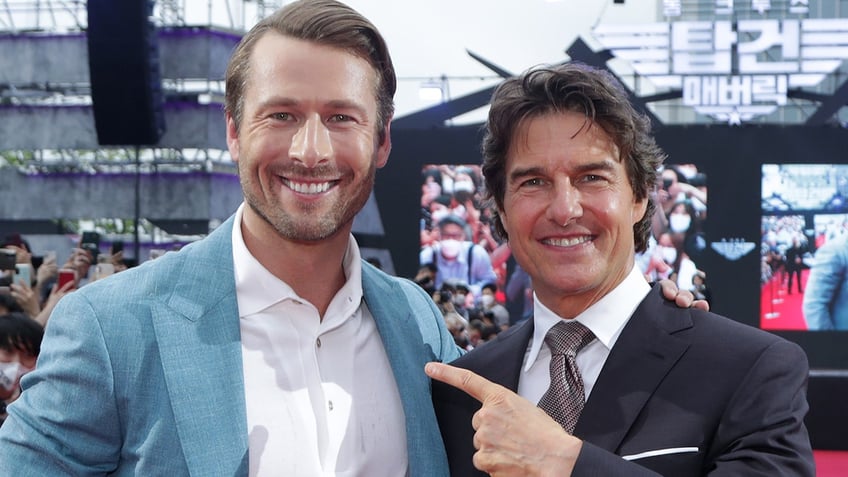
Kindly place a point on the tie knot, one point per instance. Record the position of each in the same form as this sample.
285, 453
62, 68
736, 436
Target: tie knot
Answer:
568, 337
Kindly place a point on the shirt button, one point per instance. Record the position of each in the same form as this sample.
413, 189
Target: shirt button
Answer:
330, 405
318, 342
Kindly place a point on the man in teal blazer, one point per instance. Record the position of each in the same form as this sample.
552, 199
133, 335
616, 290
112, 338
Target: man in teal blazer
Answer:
148, 380
146, 372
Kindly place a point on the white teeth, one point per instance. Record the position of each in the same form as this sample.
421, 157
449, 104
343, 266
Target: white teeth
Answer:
567, 242
308, 188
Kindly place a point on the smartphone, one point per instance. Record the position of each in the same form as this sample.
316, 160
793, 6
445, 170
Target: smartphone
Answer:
91, 241
66, 275
7, 259
23, 274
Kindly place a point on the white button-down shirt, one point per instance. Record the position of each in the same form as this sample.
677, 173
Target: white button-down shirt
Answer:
321, 396
606, 319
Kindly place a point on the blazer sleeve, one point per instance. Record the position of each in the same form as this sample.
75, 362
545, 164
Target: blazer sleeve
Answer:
431, 322
66, 421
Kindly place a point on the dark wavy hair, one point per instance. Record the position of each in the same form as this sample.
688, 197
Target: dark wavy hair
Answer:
578, 88
20, 332
326, 22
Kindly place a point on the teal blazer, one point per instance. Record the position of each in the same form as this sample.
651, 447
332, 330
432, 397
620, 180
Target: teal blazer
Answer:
141, 373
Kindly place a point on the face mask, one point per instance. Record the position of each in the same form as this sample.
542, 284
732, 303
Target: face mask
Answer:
669, 254
679, 222
10, 373
450, 248
487, 300
459, 299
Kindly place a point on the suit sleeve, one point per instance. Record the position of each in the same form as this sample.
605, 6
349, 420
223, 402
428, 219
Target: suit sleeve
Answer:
761, 433
66, 421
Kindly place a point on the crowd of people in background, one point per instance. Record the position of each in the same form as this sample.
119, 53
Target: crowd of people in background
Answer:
465, 267
31, 285
677, 242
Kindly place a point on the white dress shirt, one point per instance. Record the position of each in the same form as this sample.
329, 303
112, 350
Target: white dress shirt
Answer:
606, 319
321, 396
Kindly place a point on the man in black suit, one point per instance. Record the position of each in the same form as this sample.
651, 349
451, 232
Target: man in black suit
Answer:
571, 166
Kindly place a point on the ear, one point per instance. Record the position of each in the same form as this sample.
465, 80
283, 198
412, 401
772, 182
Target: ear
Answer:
504, 220
639, 209
232, 138
385, 148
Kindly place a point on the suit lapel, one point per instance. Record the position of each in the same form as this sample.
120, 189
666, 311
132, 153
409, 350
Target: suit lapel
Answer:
403, 342
504, 356
197, 329
648, 347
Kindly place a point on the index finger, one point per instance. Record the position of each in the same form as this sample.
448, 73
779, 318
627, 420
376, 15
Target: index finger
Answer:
471, 383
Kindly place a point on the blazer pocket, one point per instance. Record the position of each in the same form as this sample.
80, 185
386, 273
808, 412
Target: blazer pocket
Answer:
661, 452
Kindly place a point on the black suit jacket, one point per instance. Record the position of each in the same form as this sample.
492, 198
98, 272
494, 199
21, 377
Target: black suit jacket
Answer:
676, 379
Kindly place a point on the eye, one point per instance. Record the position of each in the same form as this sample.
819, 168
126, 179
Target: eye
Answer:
338, 118
593, 179
282, 116
533, 182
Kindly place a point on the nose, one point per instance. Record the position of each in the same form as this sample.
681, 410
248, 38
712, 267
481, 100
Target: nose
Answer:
565, 203
311, 144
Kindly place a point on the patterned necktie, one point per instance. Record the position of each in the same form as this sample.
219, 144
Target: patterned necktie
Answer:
565, 397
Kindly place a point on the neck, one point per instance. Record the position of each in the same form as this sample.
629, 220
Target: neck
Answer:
314, 270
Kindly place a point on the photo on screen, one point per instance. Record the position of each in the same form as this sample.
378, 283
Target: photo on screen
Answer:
464, 265
678, 242
804, 221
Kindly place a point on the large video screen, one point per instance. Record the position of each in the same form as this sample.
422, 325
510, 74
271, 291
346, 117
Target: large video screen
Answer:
803, 251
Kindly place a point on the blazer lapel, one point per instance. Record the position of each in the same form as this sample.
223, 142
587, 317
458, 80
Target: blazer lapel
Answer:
197, 330
403, 342
644, 353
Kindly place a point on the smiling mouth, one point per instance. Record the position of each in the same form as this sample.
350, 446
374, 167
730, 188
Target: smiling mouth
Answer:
309, 187
568, 242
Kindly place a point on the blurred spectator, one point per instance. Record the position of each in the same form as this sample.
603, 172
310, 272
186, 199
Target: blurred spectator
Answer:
826, 296
456, 324
489, 304
426, 278
458, 258
794, 260
20, 343
7, 303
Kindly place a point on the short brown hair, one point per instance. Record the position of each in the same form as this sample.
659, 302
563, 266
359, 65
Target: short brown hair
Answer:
326, 22
578, 88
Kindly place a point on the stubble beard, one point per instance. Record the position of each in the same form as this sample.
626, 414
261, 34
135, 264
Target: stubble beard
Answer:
307, 225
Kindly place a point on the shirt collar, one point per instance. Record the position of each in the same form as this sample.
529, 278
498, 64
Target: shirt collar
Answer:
606, 318
257, 288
